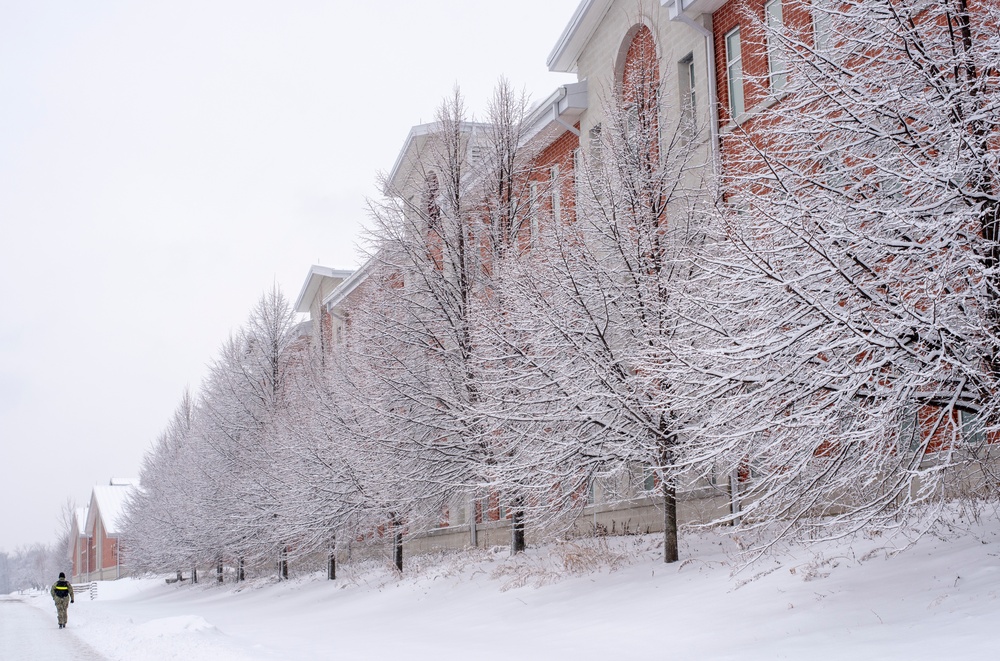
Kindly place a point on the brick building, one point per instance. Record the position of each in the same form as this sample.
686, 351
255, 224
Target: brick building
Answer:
101, 556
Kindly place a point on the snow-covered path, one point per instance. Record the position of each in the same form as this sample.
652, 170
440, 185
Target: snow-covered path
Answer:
25, 633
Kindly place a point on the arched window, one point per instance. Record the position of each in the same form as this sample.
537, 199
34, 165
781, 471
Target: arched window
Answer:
431, 206
640, 74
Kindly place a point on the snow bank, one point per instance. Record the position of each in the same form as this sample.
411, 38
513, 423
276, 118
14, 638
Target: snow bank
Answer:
597, 599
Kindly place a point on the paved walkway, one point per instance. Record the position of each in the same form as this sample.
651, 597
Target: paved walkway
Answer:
26, 634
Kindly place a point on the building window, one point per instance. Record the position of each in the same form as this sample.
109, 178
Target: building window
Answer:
533, 202
577, 172
648, 479
777, 72
972, 430
556, 193
822, 27
734, 73
432, 207
689, 104
909, 428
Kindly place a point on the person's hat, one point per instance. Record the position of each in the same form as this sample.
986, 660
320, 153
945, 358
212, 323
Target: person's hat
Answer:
62, 575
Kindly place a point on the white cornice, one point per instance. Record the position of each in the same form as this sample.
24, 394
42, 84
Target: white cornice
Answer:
692, 8
560, 110
312, 285
410, 153
586, 18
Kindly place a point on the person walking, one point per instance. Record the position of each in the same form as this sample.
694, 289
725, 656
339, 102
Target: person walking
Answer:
62, 594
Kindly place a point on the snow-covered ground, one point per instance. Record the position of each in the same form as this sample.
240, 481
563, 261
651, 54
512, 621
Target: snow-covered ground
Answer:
599, 599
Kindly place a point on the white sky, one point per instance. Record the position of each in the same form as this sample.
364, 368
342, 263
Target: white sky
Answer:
163, 163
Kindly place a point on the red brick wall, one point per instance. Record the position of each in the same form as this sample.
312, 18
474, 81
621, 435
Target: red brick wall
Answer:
558, 152
748, 15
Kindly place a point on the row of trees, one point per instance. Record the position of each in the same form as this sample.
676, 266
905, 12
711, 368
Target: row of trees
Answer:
35, 566
32, 567
814, 328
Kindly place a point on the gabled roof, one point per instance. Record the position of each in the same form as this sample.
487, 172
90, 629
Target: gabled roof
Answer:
588, 17
80, 520
313, 282
108, 502
411, 153
78, 529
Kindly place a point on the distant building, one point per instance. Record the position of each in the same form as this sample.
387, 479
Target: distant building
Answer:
78, 543
97, 553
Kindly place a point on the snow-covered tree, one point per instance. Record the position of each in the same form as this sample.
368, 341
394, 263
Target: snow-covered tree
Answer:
598, 300
218, 483
438, 237
855, 372
164, 525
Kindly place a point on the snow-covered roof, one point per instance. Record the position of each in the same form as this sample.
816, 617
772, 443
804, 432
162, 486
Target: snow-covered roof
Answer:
108, 502
124, 481
80, 514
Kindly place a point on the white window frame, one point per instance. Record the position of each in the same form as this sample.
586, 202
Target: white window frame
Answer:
909, 428
973, 433
822, 24
556, 193
734, 74
777, 70
689, 102
533, 202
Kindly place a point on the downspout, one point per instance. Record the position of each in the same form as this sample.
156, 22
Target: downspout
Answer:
713, 94
713, 89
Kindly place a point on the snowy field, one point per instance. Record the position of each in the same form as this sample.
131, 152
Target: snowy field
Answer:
599, 599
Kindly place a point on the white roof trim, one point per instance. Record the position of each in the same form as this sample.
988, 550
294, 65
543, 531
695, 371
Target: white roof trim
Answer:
581, 28
108, 501
406, 154
312, 284
692, 8
567, 104
411, 137
349, 284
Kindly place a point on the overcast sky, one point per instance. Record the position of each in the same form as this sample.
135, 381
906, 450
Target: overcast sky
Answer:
163, 163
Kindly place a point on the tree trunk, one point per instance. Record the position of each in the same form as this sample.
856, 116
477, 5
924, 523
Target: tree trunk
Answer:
331, 568
218, 571
670, 553
240, 575
397, 544
473, 532
517, 528
194, 574
734, 497
283, 565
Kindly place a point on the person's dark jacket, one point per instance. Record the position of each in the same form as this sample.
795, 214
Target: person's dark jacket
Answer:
62, 589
